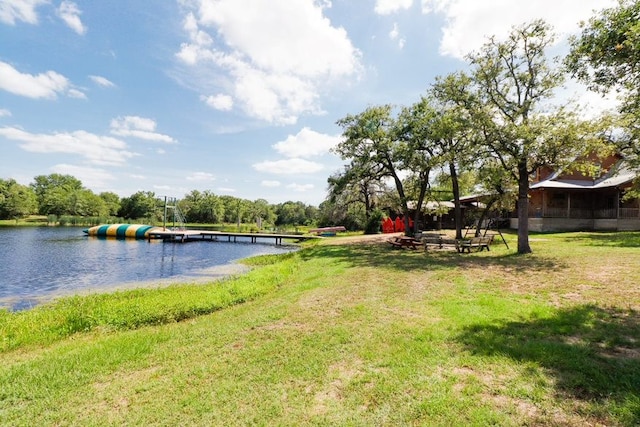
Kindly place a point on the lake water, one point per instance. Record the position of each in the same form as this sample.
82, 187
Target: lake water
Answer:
40, 263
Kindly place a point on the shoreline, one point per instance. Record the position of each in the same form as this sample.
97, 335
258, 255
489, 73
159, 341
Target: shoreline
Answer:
199, 277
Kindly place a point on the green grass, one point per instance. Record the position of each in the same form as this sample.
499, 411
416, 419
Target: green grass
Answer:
135, 308
357, 334
32, 220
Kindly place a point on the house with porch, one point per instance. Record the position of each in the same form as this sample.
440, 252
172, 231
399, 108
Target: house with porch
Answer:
573, 201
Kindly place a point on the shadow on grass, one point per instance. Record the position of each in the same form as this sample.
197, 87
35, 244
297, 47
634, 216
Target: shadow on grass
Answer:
384, 256
618, 239
593, 353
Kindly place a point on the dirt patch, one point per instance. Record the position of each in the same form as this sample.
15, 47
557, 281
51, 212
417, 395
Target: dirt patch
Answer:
360, 239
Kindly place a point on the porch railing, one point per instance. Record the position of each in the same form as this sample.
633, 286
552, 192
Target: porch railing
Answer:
604, 213
584, 213
629, 213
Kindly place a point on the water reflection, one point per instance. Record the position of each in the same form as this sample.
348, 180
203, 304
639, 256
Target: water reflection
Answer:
37, 264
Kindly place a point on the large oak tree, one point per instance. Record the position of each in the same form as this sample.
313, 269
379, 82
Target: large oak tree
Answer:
370, 141
524, 131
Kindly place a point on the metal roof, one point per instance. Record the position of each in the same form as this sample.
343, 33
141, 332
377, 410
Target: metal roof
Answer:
611, 180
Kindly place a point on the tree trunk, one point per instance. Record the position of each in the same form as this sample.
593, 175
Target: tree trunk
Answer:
456, 200
403, 202
424, 184
523, 210
367, 206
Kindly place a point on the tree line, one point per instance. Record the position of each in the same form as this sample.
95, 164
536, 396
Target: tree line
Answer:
58, 195
501, 122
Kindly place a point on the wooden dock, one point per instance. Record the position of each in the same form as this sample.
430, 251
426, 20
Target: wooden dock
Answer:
183, 236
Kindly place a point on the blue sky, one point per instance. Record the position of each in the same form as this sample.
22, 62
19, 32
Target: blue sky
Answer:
239, 97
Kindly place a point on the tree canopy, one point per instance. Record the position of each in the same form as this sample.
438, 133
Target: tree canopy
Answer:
606, 55
16, 200
58, 196
515, 81
499, 117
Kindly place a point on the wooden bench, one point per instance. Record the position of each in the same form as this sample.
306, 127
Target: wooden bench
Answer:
478, 243
440, 243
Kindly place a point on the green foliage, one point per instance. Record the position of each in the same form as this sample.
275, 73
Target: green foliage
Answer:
295, 213
514, 78
352, 216
53, 192
453, 134
356, 185
64, 201
135, 308
467, 180
112, 202
373, 146
141, 205
202, 207
16, 200
374, 222
261, 210
606, 54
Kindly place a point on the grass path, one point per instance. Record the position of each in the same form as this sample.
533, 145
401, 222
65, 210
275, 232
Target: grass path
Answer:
361, 334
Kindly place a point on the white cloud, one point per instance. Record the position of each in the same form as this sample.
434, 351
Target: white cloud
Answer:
286, 35
162, 187
226, 190
275, 71
102, 81
201, 177
307, 143
387, 7
94, 178
301, 188
75, 93
4, 112
70, 14
270, 184
275, 98
219, 102
429, 6
288, 166
394, 34
20, 10
588, 104
470, 22
45, 85
138, 127
96, 149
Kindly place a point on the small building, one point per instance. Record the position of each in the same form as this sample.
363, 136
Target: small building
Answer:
434, 215
573, 201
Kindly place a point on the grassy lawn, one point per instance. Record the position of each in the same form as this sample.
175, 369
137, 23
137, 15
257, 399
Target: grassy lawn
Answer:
347, 334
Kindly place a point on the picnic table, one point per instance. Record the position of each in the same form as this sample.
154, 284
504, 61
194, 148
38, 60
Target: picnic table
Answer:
404, 242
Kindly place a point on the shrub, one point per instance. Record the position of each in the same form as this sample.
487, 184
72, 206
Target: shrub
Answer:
374, 222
